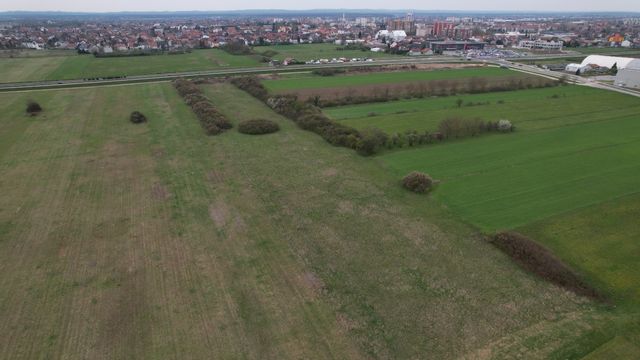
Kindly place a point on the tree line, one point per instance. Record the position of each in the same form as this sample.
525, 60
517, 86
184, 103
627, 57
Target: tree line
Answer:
212, 121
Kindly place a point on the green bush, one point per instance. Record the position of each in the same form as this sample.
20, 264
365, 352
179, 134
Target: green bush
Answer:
258, 127
417, 182
33, 108
137, 117
371, 140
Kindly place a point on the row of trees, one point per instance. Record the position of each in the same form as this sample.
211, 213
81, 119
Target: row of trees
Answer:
212, 121
309, 117
459, 127
446, 87
449, 128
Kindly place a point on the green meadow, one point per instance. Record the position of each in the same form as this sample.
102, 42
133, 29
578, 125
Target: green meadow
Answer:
34, 68
533, 109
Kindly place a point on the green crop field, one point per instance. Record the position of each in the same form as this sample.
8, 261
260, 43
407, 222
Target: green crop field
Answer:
568, 178
156, 241
310, 81
598, 239
568, 152
33, 68
306, 52
533, 109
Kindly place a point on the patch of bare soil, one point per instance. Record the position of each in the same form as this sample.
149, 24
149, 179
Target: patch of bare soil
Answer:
345, 207
330, 172
215, 176
313, 283
160, 192
219, 213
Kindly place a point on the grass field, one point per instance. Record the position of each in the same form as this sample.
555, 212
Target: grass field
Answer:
34, 68
613, 51
534, 109
578, 151
155, 241
305, 52
310, 81
599, 240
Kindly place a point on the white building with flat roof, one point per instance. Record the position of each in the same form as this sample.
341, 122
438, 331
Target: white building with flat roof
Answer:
540, 44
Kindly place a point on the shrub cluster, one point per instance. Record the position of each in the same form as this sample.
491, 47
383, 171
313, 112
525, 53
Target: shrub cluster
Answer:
237, 48
305, 115
252, 85
328, 72
211, 120
258, 127
413, 138
539, 260
417, 182
33, 108
137, 117
458, 127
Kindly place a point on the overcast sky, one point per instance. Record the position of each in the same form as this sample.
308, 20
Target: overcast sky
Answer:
184, 5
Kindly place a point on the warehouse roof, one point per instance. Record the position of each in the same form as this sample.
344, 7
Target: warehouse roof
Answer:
607, 61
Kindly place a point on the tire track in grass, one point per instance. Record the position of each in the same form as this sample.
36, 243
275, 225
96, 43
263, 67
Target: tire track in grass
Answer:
183, 191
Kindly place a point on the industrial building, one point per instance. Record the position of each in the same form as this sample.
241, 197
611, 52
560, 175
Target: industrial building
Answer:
599, 61
540, 45
630, 75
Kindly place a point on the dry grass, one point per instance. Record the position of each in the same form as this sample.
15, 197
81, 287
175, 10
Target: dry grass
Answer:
154, 241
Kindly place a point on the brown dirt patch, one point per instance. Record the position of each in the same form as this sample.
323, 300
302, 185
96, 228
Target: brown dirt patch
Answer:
345, 207
330, 172
313, 283
159, 192
219, 213
215, 176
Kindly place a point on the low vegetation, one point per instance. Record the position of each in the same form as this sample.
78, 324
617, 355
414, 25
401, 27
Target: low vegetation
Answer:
33, 108
459, 127
137, 117
417, 182
307, 116
212, 121
331, 97
258, 127
237, 48
328, 72
537, 259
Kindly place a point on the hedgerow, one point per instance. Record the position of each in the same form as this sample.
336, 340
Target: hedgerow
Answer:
537, 259
445, 87
258, 127
212, 121
307, 116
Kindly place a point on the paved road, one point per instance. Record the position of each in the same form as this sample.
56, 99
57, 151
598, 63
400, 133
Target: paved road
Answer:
220, 72
530, 69
570, 78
